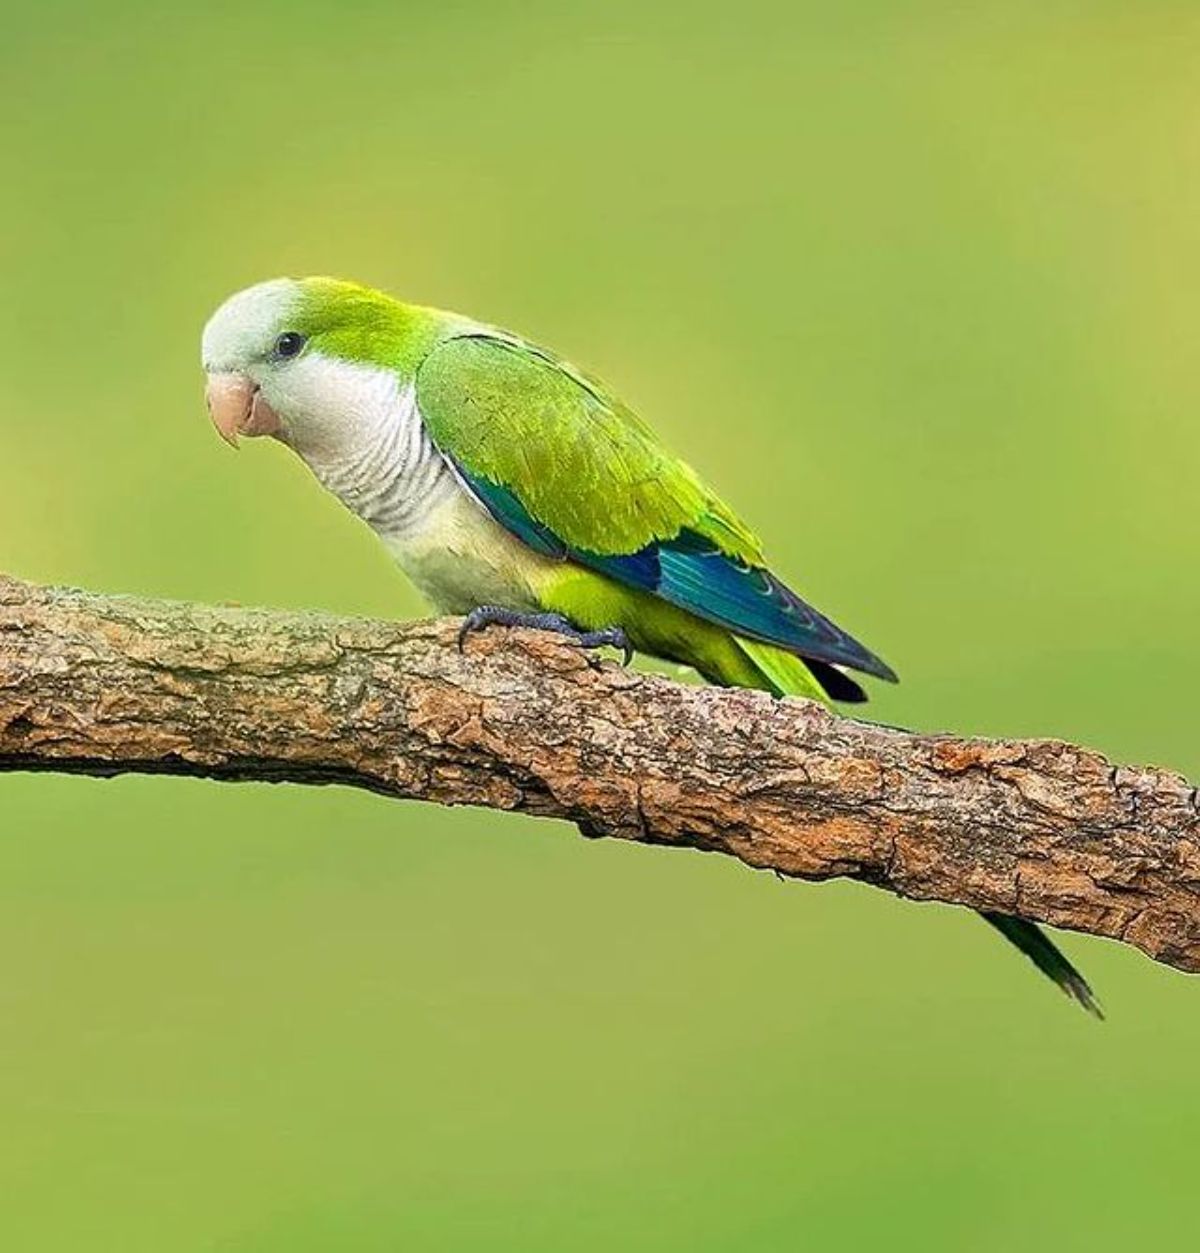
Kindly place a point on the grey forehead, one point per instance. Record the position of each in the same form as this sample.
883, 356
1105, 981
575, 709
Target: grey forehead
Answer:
246, 324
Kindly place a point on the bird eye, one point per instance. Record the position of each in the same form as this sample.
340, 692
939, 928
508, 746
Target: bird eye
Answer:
289, 344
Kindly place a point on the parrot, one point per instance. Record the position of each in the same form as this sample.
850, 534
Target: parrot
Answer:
515, 489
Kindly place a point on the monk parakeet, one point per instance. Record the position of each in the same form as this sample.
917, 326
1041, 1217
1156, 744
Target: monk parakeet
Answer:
513, 488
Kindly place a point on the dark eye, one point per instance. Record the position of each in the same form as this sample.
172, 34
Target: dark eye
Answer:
289, 344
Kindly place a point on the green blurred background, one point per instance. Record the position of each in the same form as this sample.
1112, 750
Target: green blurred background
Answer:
915, 284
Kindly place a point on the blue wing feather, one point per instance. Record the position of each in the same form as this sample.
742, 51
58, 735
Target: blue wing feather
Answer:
504, 506
698, 576
692, 572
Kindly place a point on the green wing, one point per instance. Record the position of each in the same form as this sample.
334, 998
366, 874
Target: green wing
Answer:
581, 462
574, 473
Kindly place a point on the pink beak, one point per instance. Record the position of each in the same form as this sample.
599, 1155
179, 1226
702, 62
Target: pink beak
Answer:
237, 408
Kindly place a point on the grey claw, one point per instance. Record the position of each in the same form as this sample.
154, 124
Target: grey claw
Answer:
486, 615
620, 641
610, 637
479, 618
470, 623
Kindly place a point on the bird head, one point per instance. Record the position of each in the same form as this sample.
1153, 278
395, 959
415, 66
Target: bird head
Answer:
303, 360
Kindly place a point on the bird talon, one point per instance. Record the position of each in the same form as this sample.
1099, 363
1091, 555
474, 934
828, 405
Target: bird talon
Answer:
609, 637
620, 642
488, 615
474, 621
616, 638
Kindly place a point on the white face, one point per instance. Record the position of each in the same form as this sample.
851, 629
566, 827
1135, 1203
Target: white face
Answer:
242, 345
264, 378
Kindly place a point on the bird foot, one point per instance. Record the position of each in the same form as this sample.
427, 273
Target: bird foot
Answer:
494, 615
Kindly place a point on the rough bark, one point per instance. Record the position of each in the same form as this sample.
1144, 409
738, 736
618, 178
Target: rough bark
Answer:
522, 721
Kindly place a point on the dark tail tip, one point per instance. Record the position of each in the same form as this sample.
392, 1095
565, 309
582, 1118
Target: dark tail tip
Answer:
837, 684
1047, 957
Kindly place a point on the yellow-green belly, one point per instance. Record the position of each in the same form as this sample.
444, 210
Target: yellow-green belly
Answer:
462, 558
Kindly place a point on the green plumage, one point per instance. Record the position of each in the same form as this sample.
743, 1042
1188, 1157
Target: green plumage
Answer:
581, 462
577, 476
562, 500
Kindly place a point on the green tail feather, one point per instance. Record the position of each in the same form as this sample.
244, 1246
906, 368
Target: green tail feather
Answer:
787, 675
782, 673
1045, 955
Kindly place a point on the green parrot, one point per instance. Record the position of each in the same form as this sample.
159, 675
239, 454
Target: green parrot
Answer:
515, 489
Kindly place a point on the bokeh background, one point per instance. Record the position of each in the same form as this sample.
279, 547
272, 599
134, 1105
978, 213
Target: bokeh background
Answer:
916, 285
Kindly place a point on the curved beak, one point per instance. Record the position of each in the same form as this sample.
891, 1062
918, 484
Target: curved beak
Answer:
237, 408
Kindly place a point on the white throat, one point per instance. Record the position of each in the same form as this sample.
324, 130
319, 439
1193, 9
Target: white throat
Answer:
359, 430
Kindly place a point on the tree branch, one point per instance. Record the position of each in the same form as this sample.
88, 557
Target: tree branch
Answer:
522, 721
